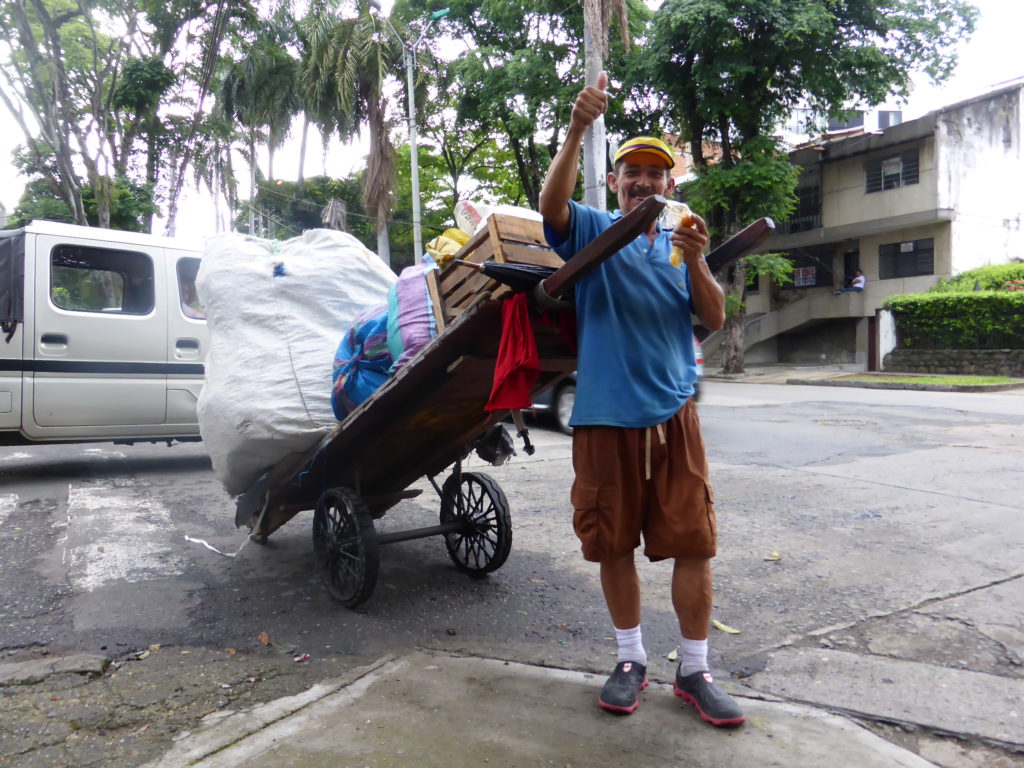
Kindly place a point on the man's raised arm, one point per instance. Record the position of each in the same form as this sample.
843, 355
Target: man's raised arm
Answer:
561, 178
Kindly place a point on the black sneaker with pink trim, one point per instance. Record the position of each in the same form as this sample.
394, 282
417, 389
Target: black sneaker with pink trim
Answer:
714, 704
621, 692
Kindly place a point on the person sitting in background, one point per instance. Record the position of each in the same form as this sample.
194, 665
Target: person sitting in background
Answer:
856, 285
190, 306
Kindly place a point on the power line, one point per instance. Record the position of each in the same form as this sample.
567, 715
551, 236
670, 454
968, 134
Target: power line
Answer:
393, 224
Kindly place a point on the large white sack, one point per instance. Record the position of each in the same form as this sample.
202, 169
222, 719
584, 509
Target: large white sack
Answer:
272, 342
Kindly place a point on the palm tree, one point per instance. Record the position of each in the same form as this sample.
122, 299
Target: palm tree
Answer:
349, 59
259, 93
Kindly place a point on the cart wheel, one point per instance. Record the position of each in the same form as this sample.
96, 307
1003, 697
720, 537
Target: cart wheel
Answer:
486, 540
345, 546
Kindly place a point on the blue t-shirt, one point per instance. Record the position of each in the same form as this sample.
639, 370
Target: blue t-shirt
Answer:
636, 365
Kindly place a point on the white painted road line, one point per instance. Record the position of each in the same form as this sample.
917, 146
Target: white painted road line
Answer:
116, 532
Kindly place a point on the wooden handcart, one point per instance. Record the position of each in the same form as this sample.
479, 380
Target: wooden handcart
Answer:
426, 419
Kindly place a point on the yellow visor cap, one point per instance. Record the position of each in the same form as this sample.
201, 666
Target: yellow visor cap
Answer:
645, 149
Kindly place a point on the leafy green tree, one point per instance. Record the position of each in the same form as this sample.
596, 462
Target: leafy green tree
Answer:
437, 211
469, 160
88, 84
39, 201
138, 94
349, 59
130, 208
728, 71
519, 77
760, 185
291, 208
259, 94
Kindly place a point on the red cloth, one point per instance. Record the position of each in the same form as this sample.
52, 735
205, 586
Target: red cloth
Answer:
518, 365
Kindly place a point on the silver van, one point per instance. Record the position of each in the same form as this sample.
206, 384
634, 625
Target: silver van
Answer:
101, 335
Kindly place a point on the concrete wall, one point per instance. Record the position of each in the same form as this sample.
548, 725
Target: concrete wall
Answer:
886, 334
845, 202
967, 200
980, 362
981, 163
869, 261
830, 342
762, 300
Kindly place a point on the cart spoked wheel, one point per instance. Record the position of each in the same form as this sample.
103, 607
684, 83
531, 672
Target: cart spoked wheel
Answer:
485, 540
345, 546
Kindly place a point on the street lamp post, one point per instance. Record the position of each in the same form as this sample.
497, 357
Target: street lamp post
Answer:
409, 56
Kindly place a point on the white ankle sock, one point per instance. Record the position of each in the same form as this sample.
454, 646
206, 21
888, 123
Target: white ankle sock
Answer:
631, 645
693, 656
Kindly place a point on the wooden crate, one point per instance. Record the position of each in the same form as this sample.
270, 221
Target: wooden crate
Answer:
505, 239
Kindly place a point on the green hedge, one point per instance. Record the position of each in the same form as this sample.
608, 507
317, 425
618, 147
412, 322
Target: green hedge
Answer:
952, 320
990, 278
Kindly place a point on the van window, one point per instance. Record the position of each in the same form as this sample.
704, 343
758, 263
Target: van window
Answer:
187, 295
86, 279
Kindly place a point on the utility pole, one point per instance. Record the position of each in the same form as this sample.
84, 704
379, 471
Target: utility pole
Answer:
409, 57
417, 230
594, 162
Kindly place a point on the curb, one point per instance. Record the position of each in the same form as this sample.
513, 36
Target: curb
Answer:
37, 670
911, 386
220, 730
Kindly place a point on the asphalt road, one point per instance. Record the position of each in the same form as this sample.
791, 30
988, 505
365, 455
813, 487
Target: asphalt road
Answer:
880, 505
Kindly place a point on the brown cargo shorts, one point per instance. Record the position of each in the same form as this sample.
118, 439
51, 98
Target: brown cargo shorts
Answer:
651, 481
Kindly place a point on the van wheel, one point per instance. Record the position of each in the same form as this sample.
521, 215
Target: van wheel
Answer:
565, 398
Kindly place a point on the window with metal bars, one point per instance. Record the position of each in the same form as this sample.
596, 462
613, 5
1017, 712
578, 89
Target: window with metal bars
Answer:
812, 266
906, 259
892, 172
808, 210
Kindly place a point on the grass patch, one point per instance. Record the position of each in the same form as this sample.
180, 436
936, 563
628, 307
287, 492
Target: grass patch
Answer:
971, 381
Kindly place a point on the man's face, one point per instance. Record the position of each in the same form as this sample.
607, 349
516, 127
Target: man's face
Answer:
636, 181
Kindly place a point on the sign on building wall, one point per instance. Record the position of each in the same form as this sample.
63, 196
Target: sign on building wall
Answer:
804, 276
892, 166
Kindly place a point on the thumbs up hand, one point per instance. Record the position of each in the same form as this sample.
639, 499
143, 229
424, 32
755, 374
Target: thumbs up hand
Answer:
591, 103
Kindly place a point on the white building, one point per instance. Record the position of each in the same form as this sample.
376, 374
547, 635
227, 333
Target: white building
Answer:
907, 204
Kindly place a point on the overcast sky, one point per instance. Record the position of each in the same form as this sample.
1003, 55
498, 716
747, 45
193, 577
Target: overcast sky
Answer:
986, 61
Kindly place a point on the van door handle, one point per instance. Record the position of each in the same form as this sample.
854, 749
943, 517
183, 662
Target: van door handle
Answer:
54, 339
186, 349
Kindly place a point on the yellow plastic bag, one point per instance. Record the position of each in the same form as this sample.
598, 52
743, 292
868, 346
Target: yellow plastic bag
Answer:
443, 247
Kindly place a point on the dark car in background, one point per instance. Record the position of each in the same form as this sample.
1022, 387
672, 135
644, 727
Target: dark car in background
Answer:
555, 404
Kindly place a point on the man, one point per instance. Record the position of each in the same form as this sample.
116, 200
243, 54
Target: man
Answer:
637, 448
856, 285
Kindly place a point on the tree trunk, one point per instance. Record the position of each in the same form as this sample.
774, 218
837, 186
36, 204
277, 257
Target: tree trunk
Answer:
230, 188
302, 153
383, 241
102, 195
732, 346
153, 153
252, 183
216, 185
70, 185
594, 153
735, 321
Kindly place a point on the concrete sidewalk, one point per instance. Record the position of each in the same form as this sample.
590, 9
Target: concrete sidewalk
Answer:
780, 373
841, 375
425, 710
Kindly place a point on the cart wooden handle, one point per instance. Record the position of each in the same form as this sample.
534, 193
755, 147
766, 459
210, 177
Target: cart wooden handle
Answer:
626, 229
740, 244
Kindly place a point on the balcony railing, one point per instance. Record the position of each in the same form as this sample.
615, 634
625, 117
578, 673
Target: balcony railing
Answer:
800, 223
